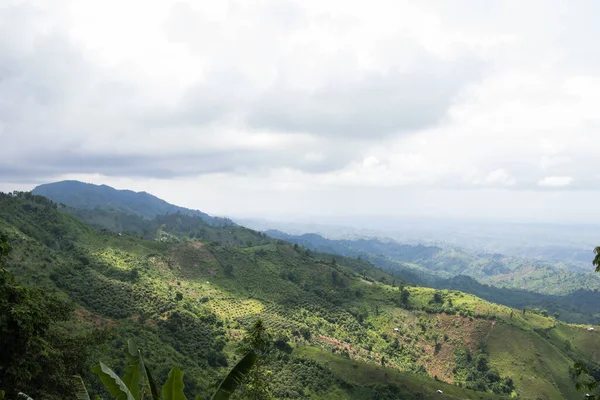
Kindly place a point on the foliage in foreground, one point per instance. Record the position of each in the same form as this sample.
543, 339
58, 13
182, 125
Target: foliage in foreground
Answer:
138, 382
35, 351
582, 368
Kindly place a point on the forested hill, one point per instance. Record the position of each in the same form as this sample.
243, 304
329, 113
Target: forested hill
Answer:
88, 196
512, 281
343, 328
494, 268
360, 247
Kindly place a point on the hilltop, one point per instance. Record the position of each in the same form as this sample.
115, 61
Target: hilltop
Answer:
347, 329
87, 196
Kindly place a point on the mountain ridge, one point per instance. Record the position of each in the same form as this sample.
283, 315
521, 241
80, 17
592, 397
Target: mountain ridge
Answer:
89, 196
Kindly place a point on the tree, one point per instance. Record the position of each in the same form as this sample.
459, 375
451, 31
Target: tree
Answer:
582, 368
404, 294
596, 261
334, 277
259, 342
36, 354
437, 298
305, 333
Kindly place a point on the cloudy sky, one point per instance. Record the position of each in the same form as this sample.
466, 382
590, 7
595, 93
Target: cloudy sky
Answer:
283, 108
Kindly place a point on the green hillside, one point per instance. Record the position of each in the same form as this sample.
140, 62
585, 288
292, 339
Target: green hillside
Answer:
436, 262
511, 281
345, 329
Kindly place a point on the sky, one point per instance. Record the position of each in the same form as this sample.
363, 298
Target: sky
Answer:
300, 109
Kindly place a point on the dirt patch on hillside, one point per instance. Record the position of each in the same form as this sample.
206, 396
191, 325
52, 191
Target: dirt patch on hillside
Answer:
339, 346
195, 260
236, 334
453, 331
88, 318
464, 330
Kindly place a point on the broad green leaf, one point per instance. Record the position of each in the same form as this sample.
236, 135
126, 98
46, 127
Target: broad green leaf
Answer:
81, 392
173, 387
235, 376
137, 376
146, 387
132, 353
115, 386
2, 395
152, 384
131, 378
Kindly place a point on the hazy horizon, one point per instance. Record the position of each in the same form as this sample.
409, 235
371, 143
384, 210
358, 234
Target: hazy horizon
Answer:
352, 214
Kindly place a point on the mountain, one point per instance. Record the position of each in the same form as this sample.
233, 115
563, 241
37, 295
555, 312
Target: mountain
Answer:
511, 281
88, 196
345, 329
565, 245
446, 261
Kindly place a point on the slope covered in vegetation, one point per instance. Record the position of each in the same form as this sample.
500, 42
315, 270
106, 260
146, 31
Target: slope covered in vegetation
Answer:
344, 329
511, 281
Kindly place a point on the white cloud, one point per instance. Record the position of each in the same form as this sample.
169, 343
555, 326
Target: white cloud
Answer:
499, 177
556, 181
303, 96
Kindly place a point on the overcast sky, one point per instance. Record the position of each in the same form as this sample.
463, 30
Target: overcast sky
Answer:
305, 108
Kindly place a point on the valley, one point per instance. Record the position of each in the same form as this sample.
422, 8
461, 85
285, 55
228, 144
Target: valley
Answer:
186, 288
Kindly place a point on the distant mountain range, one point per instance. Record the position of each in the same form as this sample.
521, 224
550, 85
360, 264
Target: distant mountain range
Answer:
88, 196
516, 282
